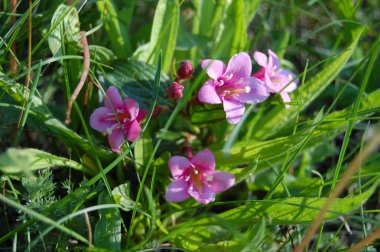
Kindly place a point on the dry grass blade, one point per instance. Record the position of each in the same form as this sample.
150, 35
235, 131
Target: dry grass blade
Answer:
370, 147
86, 67
375, 235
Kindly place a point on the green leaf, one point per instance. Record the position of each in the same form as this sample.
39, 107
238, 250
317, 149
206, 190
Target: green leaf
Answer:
143, 149
250, 8
279, 117
68, 24
122, 197
107, 233
135, 79
22, 162
116, 25
101, 54
232, 30
287, 211
206, 114
163, 36
274, 151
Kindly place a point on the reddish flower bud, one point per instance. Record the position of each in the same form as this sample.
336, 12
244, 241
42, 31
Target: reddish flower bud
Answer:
175, 91
185, 70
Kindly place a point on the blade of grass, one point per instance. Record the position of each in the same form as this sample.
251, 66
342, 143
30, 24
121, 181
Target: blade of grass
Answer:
354, 111
28, 104
42, 218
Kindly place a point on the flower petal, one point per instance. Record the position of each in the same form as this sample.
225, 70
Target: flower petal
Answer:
234, 110
113, 97
178, 165
221, 181
268, 82
205, 160
214, 68
101, 119
132, 107
208, 94
204, 197
273, 61
285, 98
177, 191
239, 66
132, 130
289, 75
260, 74
142, 114
260, 58
115, 140
256, 91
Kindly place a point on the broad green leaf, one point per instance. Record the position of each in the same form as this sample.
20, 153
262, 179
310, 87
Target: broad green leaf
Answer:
69, 26
246, 242
287, 211
136, 80
273, 151
204, 14
346, 8
101, 54
122, 197
22, 162
250, 8
107, 233
207, 113
143, 149
279, 117
163, 36
232, 30
117, 24
41, 112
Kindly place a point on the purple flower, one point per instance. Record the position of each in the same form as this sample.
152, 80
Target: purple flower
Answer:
278, 80
119, 119
197, 178
232, 85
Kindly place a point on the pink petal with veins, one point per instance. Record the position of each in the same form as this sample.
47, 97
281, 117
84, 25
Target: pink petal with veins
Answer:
214, 68
234, 110
204, 160
221, 181
113, 97
177, 191
239, 66
208, 94
102, 119
178, 165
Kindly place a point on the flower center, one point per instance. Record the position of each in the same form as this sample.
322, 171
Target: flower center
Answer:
229, 91
196, 178
123, 117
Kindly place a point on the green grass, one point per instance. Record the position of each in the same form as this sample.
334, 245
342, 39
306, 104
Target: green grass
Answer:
286, 161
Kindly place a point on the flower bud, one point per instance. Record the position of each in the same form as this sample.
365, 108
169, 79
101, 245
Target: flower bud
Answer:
175, 91
185, 71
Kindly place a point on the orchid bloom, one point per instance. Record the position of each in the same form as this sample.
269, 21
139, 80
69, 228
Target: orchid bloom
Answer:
120, 119
197, 178
232, 85
278, 80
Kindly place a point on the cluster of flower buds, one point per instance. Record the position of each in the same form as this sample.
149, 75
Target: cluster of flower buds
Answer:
184, 72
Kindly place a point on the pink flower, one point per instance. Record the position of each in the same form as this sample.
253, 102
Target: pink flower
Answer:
175, 91
197, 178
278, 80
232, 85
119, 119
